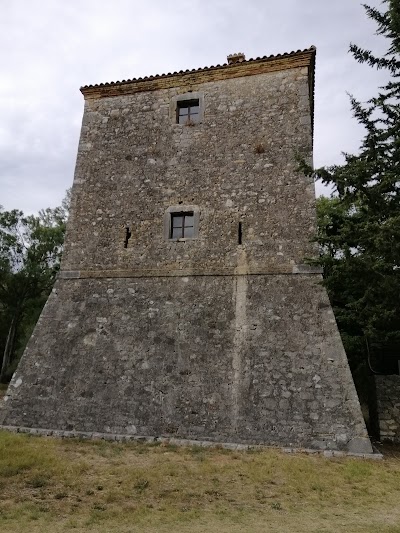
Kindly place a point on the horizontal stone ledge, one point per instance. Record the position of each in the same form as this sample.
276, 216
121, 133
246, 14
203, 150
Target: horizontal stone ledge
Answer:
187, 272
85, 435
300, 59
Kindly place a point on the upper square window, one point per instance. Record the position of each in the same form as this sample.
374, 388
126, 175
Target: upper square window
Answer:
187, 108
188, 112
182, 225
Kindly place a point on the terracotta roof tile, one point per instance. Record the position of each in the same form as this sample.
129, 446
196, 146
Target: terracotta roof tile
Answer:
201, 69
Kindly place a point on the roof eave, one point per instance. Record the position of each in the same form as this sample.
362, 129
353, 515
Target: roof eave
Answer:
301, 58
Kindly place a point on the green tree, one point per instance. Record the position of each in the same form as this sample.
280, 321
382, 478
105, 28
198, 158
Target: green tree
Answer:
359, 226
30, 253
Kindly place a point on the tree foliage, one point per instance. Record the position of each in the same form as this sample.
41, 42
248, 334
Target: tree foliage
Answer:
30, 253
359, 226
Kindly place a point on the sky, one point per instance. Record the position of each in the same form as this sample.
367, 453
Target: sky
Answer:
50, 48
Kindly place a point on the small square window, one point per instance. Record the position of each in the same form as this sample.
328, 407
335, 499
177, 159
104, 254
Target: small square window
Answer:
182, 225
181, 222
188, 112
187, 108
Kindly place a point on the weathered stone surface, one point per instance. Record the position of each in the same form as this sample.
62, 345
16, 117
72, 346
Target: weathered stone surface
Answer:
388, 406
205, 338
175, 357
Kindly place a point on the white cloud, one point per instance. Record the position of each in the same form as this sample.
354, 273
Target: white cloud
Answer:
52, 47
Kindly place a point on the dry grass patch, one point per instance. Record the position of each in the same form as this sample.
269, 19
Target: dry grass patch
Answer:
67, 485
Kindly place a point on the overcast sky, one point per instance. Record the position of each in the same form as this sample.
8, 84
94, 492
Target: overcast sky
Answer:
49, 48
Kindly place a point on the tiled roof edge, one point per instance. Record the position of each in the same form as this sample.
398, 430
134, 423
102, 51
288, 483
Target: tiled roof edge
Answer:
312, 49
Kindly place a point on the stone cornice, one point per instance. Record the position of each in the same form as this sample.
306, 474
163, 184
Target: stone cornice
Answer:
193, 78
184, 272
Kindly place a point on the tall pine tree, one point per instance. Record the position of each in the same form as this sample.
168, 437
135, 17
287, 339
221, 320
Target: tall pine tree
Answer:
359, 227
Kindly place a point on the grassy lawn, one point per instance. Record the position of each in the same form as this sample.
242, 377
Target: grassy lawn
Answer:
52, 485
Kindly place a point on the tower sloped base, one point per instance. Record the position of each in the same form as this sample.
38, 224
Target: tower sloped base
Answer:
246, 359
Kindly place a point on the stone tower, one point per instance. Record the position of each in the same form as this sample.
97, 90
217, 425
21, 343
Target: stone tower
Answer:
184, 306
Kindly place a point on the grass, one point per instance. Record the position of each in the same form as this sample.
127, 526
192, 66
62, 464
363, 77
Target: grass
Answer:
59, 485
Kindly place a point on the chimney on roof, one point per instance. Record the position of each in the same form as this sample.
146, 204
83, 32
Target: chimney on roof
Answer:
236, 58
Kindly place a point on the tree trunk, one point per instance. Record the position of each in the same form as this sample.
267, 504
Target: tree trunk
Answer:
8, 349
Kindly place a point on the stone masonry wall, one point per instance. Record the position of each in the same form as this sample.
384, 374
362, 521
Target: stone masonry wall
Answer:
203, 338
388, 403
231, 359
134, 162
